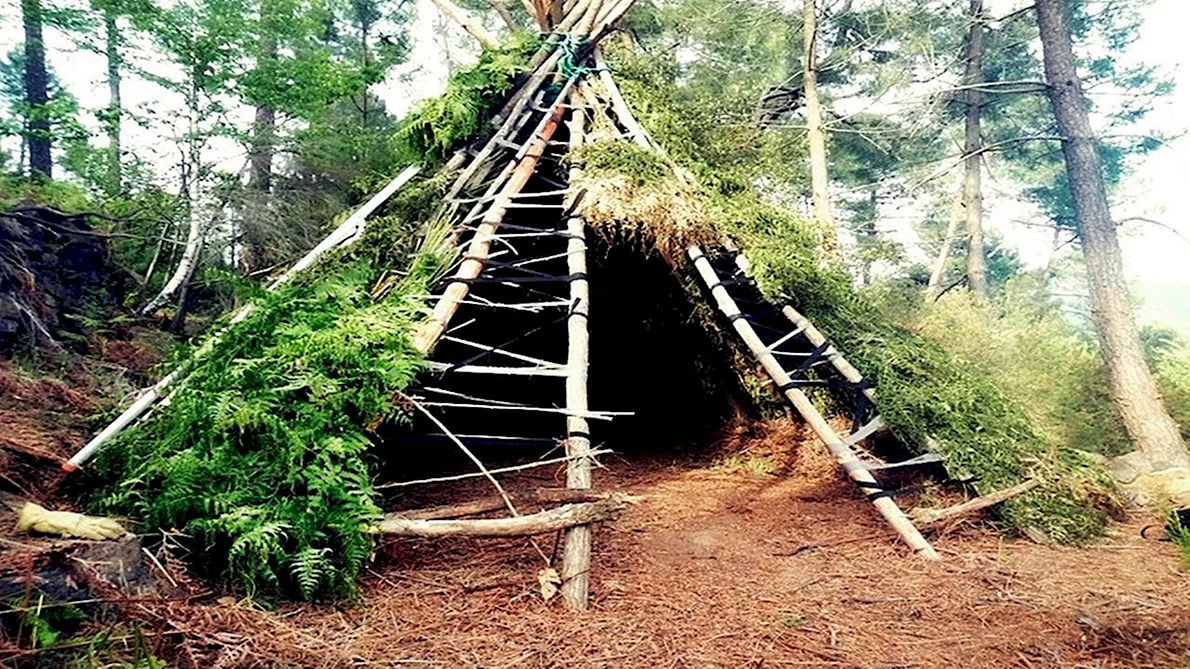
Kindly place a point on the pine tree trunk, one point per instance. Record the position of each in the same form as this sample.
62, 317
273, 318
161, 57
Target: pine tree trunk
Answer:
263, 133
977, 279
1134, 391
37, 130
816, 133
114, 109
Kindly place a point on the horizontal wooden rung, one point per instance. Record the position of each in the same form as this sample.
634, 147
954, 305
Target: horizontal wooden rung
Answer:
505, 371
923, 459
784, 339
544, 522
598, 415
868, 429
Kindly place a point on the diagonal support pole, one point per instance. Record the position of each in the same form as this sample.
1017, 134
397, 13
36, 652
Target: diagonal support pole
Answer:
842, 452
347, 232
430, 331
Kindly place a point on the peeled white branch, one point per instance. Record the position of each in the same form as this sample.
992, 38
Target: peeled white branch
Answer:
185, 268
544, 522
347, 232
469, 23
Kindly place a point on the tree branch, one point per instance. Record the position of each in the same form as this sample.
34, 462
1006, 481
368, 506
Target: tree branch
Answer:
467, 21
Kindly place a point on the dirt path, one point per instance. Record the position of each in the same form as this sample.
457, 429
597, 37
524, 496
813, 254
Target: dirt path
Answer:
722, 569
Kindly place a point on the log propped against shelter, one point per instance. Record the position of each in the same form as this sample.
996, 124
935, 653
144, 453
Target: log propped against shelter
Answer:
510, 334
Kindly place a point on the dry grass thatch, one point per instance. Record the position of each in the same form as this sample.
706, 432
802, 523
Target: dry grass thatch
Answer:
654, 212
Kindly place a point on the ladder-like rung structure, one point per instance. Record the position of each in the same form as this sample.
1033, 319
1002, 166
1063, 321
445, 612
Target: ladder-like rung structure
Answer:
729, 285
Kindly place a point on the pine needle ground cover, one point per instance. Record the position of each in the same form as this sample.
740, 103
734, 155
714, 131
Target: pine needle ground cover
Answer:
927, 395
261, 458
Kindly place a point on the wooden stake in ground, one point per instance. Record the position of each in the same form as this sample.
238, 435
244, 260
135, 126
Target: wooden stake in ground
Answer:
576, 554
842, 452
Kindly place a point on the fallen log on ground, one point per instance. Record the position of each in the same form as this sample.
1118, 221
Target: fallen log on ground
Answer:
544, 522
494, 503
928, 516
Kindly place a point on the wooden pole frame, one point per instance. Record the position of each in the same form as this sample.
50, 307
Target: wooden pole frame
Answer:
475, 258
576, 554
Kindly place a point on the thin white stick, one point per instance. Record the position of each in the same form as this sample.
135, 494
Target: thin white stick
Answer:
510, 354
500, 470
348, 231
598, 415
499, 371
465, 450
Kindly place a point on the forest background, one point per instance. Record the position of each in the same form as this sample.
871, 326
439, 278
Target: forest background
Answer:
254, 125
1155, 255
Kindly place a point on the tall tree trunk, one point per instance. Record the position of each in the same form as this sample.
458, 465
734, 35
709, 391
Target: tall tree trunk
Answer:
264, 131
820, 190
977, 275
261, 151
114, 109
37, 122
1134, 392
365, 30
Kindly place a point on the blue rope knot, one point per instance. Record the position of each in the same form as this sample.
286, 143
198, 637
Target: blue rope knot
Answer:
570, 46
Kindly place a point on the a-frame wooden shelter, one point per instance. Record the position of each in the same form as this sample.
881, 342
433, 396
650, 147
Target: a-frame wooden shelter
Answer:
519, 293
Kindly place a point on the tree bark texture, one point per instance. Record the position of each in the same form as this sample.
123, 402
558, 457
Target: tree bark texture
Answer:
263, 131
1133, 389
816, 133
37, 122
977, 279
115, 177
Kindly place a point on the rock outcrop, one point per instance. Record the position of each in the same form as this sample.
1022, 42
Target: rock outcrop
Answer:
52, 268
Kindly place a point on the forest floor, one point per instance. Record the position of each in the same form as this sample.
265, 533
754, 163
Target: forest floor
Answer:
758, 555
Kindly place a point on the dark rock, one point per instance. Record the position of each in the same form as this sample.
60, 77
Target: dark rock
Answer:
52, 268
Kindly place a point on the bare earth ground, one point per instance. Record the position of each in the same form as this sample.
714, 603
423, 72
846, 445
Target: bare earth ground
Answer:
733, 569
717, 566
